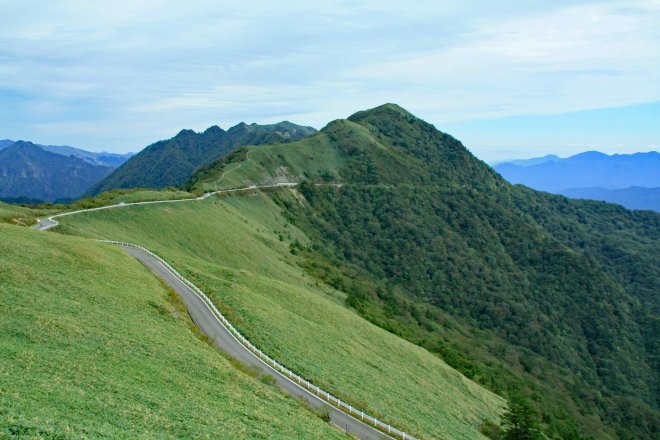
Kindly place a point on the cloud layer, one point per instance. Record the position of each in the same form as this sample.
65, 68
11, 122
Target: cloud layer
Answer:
122, 74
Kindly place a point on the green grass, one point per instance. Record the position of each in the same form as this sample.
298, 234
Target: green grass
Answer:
289, 162
237, 249
20, 215
129, 196
92, 345
149, 195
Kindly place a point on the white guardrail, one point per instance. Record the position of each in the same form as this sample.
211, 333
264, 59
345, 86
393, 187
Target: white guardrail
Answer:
155, 202
324, 395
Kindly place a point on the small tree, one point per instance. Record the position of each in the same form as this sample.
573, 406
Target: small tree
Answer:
521, 421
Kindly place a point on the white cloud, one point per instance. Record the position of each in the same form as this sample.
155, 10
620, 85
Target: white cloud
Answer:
576, 58
147, 68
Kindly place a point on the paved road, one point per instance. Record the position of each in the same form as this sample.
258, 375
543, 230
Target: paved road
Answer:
225, 341
46, 223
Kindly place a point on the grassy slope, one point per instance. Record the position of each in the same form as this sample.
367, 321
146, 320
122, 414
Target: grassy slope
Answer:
231, 247
129, 196
92, 345
20, 215
280, 162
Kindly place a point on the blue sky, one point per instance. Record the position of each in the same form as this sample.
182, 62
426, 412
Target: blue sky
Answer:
519, 79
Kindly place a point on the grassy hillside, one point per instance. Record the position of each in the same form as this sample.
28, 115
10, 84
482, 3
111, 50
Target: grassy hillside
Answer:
93, 346
238, 249
172, 161
129, 196
20, 215
515, 288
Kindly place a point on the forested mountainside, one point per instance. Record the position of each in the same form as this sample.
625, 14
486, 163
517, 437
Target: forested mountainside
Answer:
518, 289
28, 171
171, 162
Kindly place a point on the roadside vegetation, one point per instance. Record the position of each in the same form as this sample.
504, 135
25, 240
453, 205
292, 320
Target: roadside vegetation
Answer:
94, 346
531, 295
22, 215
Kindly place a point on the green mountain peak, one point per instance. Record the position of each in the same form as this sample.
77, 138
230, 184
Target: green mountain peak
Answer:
515, 288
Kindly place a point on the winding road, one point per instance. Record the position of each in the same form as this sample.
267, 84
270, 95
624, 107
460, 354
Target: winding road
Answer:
223, 339
208, 321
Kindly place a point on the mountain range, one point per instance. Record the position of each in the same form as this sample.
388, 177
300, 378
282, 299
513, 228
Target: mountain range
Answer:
103, 158
631, 180
34, 173
170, 162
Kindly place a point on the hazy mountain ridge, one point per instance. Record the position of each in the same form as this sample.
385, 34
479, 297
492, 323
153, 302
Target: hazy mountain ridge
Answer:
29, 171
634, 197
587, 170
95, 158
171, 162
631, 180
5, 143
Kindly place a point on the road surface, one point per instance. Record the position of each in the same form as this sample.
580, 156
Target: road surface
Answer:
223, 339
46, 223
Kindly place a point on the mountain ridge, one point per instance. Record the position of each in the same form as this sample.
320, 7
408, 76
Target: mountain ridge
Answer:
104, 158
29, 171
634, 197
418, 232
170, 162
630, 180
586, 170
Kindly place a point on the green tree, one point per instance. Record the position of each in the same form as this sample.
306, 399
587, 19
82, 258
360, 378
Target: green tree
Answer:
521, 421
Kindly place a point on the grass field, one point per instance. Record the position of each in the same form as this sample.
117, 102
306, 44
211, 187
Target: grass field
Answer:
93, 346
129, 196
280, 162
237, 248
20, 215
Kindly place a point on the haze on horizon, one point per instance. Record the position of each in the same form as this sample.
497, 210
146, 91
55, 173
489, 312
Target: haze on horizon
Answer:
516, 79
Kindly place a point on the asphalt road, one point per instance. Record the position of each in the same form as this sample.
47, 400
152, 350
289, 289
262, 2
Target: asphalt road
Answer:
46, 223
225, 341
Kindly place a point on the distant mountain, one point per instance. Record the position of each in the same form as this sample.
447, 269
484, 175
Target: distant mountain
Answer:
171, 162
28, 171
630, 180
5, 143
103, 158
530, 162
587, 170
635, 197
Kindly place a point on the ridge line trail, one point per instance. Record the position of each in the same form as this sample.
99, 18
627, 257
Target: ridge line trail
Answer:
247, 159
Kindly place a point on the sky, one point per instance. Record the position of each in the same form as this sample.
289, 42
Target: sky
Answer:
511, 79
